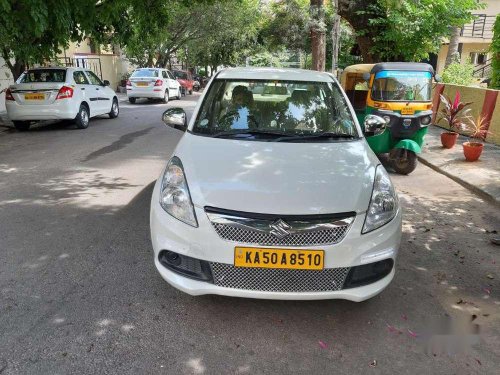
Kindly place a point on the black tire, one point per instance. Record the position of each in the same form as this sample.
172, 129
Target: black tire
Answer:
404, 161
165, 97
115, 109
131, 100
82, 118
22, 126
190, 92
179, 93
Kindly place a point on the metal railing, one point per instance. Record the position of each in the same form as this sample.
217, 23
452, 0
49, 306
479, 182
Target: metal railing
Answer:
481, 27
484, 70
91, 63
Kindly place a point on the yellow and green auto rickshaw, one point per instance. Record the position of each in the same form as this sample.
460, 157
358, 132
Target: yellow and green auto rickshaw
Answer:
393, 105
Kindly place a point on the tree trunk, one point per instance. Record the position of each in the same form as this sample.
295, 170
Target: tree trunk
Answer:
17, 68
335, 35
318, 35
365, 44
453, 53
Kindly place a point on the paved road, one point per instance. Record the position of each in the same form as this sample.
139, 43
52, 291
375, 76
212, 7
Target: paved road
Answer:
79, 292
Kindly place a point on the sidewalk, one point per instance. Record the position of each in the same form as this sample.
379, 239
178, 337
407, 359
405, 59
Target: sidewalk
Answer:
482, 176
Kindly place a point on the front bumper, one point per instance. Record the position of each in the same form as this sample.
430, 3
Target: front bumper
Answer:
59, 110
203, 243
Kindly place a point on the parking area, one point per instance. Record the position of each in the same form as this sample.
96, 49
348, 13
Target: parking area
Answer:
79, 292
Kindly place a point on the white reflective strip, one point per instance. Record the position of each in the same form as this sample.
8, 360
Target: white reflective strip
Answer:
373, 257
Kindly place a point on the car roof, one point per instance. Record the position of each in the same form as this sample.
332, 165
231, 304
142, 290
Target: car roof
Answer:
284, 74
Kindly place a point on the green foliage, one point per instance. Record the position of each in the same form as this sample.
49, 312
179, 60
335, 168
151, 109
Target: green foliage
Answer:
459, 74
409, 30
495, 49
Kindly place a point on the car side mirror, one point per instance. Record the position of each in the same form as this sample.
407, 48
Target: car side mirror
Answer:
374, 124
437, 78
175, 118
106, 82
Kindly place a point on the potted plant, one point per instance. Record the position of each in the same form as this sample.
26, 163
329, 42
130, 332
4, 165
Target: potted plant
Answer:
477, 133
454, 113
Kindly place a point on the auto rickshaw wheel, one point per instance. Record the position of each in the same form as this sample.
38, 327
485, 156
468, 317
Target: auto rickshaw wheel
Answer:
403, 161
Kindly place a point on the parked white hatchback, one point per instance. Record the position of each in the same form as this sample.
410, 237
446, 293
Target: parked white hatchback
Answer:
59, 94
153, 83
274, 193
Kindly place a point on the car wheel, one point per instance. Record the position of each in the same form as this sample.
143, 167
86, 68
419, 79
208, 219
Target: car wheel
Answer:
190, 92
179, 93
115, 109
22, 125
82, 118
131, 100
404, 161
165, 97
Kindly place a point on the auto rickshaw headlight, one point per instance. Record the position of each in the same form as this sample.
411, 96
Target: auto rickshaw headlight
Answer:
387, 119
383, 204
426, 120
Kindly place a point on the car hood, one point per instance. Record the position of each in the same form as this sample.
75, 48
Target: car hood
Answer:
278, 177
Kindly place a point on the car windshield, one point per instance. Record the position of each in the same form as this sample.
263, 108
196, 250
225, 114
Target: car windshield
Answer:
43, 75
275, 110
181, 75
395, 85
145, 73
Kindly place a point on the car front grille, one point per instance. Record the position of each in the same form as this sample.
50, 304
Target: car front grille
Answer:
320, 237
278, 280
276, 230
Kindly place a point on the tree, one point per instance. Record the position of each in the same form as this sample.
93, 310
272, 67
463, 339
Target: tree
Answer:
453, 54
404, 30
318, 35
495, 49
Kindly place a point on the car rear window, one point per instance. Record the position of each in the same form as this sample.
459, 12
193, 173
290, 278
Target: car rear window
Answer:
181, 75
145, 73
43, 75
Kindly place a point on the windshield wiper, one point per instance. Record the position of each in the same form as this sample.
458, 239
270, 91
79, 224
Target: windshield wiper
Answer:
249, 131
324, 135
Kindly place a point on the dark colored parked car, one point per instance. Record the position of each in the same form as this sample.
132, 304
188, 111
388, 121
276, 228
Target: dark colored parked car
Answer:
185, 79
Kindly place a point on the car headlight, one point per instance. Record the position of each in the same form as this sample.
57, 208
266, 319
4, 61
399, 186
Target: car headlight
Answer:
426, 120
383, 203
174, 193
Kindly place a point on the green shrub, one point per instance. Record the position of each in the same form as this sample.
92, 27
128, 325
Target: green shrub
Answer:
495, 49
459, 74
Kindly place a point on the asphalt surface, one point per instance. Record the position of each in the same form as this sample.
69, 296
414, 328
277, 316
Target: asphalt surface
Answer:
79, 293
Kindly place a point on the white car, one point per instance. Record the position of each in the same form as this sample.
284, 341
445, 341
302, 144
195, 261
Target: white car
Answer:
153, 83
275, 196
59, 94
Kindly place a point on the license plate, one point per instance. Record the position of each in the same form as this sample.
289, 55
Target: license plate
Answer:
141, 83
278, 258
36, 96
407, 111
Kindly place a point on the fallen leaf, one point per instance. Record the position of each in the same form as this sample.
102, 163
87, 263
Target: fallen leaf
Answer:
487, 290
373, 363
412, 334
322, 344
473, 317
460, 301
478, 361
490, 276
404, 317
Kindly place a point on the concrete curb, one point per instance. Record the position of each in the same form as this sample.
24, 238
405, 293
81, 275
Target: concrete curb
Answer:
480, 192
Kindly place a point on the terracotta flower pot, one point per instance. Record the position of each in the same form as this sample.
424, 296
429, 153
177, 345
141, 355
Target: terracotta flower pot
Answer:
472, 150
449, 139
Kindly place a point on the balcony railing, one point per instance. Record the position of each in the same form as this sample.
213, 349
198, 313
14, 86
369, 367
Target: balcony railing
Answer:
481, 27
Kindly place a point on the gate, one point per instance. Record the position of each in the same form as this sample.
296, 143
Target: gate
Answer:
91, 63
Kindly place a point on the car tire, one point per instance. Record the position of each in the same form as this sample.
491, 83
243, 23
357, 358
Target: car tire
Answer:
404, 165
22, 126
131, 100
115, 109
165, 97
179, 93
190, 92
82, 118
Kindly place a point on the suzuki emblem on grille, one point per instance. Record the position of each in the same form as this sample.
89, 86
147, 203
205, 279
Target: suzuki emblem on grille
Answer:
280, 228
